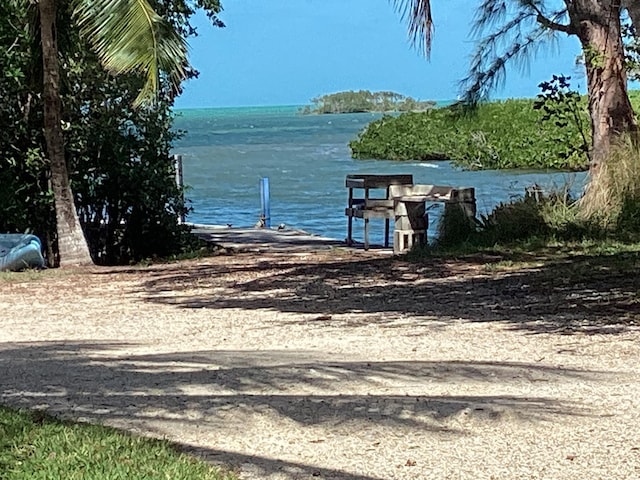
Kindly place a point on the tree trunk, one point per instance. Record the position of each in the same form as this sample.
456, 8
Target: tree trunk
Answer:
72, 246
597, 25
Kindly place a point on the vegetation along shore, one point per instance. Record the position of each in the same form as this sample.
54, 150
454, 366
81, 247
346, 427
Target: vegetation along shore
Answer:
548, 132
365, 101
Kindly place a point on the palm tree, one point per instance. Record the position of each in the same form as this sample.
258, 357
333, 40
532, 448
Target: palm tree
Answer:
128, 36
527, 23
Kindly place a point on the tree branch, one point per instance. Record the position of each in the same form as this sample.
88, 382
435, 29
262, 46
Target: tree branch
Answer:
558, 27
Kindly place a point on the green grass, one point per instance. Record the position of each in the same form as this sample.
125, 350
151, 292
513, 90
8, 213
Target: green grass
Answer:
35, 446
29, 275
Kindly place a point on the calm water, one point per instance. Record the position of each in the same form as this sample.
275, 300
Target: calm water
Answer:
227, 151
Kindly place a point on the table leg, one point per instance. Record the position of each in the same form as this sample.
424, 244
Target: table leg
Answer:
386, 233
366, 234
350, 220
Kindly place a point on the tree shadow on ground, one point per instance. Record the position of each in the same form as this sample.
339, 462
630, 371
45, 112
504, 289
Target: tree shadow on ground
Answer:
586, 294
206, 390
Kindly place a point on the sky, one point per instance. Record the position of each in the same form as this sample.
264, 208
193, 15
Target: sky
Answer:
286, 52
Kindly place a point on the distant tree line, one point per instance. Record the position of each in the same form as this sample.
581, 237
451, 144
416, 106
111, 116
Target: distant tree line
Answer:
365, 101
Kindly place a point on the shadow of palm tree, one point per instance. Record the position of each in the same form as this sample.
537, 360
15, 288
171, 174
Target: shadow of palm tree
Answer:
587, 294
98, 382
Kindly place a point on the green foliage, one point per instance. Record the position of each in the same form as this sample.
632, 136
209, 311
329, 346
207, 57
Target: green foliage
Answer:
25, 201
502, 134
120, 168
34, 446
122, 34
566, 109
365, 101
530, 217
506, 223
550, 132
455, 226
612, 199
609, 211
536, 220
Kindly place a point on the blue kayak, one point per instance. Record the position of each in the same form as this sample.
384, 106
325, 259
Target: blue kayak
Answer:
20, 251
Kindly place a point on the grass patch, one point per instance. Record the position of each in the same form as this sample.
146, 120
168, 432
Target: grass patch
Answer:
35, 446
24, 276
29, 275
612, 199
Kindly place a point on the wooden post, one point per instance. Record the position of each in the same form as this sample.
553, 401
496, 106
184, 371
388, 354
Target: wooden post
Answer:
467, 199
463, 199
386, 226
177, 162
350, 220
366, 221
265, 197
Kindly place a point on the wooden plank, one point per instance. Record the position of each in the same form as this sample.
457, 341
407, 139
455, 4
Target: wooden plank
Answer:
377, 213
435, 192
422, 198
378, 203
377, 181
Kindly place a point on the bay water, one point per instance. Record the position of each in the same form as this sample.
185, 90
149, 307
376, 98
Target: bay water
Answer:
226, 152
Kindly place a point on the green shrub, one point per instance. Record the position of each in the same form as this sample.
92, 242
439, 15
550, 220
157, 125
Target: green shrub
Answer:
531, 218
119, 160
505, 134
455, 227
498, 135
514, 221
612, 199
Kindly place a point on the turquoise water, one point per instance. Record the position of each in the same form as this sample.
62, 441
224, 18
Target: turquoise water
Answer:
228, 150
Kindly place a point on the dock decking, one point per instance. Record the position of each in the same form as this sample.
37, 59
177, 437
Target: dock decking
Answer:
265, 239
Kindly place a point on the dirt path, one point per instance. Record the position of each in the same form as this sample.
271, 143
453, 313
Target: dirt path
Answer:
338, 365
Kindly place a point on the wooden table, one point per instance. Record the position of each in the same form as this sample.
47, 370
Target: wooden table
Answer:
366, 207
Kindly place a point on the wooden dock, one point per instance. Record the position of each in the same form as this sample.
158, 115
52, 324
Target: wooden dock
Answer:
265, 239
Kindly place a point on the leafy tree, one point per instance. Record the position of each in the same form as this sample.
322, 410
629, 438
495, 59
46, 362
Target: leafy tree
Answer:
117, 155
128, 36
513, 29
24, 192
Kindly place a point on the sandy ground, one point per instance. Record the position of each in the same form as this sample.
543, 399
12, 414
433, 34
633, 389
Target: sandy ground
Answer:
338, 365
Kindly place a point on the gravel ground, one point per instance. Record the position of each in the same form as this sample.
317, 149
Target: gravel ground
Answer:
338, 365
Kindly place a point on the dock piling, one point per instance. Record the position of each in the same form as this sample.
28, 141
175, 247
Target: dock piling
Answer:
265, 201
177, 162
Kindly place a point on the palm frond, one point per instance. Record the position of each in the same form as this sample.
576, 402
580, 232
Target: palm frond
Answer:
417, 13
128, 36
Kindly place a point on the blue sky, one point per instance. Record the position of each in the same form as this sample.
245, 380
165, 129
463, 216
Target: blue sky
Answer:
285, 52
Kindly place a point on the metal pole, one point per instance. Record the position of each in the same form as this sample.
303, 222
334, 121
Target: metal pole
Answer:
177, 161
265, 201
